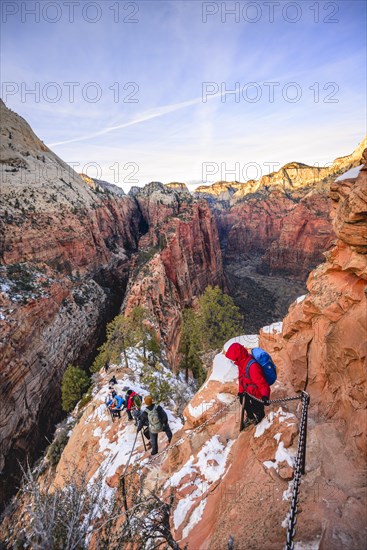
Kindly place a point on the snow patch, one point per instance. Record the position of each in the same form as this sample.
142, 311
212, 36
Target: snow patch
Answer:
212, 458
274, 328
183, 507
287, 494
284, 455
195, 518
269, 419
300, 299
225, 397
176, 478
350, 174
196, 412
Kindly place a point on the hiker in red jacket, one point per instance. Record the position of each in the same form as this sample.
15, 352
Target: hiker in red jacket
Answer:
133, 405
250, 381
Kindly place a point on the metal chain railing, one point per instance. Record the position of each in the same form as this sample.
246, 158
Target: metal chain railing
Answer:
299, 467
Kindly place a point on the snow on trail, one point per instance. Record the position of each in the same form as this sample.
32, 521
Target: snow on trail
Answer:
350, 174
274, 328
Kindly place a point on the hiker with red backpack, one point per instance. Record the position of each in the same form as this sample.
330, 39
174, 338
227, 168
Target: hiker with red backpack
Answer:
256, 372
133, 406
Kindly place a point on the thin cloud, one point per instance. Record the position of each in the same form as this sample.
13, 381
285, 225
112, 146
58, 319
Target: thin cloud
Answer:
147, 115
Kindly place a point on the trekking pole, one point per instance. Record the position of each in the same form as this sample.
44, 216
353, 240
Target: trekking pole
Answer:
242, 413
142, 436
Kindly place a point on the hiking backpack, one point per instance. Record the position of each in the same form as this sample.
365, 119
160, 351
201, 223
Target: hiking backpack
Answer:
266, 363
155, 425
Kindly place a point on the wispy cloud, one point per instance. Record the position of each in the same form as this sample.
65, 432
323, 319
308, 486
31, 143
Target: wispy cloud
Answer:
143, 117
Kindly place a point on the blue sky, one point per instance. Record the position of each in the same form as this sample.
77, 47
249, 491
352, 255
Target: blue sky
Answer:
167, 55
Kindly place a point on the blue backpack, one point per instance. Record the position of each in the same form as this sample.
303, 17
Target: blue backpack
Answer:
266, 363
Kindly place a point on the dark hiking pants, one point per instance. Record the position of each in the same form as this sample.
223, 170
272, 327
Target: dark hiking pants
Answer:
154, 438
254, 409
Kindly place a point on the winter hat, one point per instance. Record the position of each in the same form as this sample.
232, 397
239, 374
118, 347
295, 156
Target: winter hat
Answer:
148, 400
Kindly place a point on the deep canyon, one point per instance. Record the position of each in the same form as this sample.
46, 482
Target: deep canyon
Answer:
74, 250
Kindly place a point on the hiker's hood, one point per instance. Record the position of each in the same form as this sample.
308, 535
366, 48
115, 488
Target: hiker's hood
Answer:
236, 352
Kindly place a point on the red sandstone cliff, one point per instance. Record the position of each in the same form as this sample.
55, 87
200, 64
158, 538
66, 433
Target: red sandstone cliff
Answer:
321, 348
62, 246
179, 257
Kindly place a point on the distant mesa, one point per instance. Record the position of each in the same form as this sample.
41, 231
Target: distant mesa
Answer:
177, 186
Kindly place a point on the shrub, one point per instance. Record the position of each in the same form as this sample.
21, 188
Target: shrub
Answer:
219, 318
74, 383
56, 448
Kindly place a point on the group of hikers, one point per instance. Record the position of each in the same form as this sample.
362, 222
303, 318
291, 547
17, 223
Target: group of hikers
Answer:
151, 420
256, 373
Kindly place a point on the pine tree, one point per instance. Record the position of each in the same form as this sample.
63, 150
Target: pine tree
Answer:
153, 345
190, 343
220, 318
139, 316
121, 335
74, 383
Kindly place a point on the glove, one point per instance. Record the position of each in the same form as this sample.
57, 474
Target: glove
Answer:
265, 400
240, 396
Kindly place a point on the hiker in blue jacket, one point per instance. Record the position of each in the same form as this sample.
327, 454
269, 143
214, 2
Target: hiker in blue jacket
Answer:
117, 405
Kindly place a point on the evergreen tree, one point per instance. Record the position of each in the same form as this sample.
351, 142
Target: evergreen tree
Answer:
219, 318
121, 335
139, 316
153, 345
74, 383
190, 347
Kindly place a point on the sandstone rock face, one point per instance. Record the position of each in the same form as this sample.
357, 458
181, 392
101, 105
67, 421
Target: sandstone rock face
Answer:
64, 252
177, 186
322, 349
291, 177
289, 236
180, 256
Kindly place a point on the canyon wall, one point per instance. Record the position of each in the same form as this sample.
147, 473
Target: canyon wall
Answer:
229, 484
179, 257
64, 253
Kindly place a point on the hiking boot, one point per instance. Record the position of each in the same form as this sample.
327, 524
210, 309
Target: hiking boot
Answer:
154, 453
248, 422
